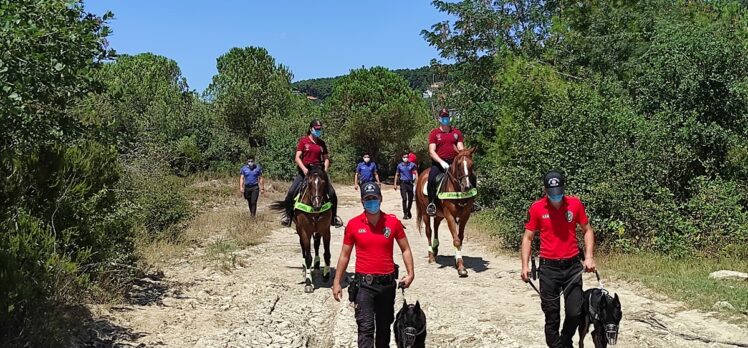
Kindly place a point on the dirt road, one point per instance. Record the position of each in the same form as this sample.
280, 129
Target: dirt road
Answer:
263, 304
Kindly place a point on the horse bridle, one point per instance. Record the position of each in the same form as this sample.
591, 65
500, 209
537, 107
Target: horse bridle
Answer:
459, 179
316, 217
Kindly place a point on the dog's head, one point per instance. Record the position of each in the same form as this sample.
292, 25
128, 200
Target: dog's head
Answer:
410, 323
605, 310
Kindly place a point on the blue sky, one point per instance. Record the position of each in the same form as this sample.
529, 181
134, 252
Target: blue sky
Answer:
313, 38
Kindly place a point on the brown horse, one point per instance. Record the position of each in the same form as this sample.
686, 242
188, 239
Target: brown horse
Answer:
460, 178
312, 217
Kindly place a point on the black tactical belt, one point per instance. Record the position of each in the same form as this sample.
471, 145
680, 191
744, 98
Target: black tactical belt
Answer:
559, 263
370, 279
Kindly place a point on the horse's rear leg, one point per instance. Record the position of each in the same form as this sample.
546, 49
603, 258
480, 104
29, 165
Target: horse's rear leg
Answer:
317, 238
429, 238
435, 242
327, 255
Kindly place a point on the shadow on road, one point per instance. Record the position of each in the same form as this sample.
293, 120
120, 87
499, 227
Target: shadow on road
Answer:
477, 264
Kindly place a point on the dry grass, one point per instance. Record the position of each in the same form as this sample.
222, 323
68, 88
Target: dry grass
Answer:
221, 228
683, 279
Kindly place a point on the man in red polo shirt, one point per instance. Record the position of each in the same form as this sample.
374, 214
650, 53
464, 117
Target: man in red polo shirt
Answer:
373, 234
556, 217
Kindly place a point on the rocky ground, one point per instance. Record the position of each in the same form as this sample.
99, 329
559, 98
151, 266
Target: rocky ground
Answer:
261, 301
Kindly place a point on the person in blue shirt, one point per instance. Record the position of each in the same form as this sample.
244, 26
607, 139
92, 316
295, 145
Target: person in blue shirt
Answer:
406, 172
366, 171
251, 184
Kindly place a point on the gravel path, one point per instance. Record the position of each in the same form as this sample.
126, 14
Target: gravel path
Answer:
263, 304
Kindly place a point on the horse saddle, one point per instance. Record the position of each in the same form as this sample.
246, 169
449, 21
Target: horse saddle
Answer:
437, 181
448, 195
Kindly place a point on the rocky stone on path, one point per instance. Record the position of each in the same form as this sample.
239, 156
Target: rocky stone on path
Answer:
723, 306
729, 275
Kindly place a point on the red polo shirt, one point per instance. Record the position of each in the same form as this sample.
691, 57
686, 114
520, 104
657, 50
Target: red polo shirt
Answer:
374, 243
446, 142
311, 152
558, 227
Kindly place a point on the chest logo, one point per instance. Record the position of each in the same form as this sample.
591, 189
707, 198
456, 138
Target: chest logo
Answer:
546, 216
569, 216
306, 147
361, 230
387, 232
455, 135
439, 137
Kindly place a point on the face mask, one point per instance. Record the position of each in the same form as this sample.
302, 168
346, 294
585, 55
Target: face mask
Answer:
556, 198
444, 120
405, 159
317, 132
367, 159
251, 164
372, 206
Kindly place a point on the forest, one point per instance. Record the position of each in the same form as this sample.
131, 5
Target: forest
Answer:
643, 104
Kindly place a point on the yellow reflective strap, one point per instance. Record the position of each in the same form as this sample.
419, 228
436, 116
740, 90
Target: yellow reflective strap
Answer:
458, 195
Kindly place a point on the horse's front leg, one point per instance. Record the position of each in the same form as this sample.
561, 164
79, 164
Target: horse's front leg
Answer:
317, 238
457, 242
327, 255
306, 251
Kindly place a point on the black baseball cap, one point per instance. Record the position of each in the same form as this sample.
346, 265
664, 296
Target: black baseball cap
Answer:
316, 124
554, 183
369, 189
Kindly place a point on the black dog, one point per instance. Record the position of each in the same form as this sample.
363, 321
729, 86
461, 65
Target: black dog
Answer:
602, 311
410, 326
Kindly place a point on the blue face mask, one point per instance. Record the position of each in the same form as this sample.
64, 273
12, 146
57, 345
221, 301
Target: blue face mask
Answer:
444, 120
372, 206
317, 132
556, 198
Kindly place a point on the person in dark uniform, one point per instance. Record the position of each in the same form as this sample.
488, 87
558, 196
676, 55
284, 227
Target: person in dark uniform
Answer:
311, 151
406, 172
373, 234
366, 171
556, 217
445, 142
251, 184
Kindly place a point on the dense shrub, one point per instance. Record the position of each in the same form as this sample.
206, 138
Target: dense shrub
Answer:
642, 104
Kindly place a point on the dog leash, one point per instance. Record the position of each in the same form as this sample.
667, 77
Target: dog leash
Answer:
571, 282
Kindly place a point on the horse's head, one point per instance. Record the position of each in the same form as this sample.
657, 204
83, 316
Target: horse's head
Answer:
462, 170
316, 192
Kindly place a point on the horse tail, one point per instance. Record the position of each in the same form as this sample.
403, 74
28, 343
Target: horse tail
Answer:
280, 207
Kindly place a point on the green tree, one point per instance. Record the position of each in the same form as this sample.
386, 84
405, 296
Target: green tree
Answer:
60, 215
375, 111
249, 87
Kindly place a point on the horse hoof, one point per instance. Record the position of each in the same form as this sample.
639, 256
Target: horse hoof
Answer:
308, 289
326, 277
432, 258
462, 273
